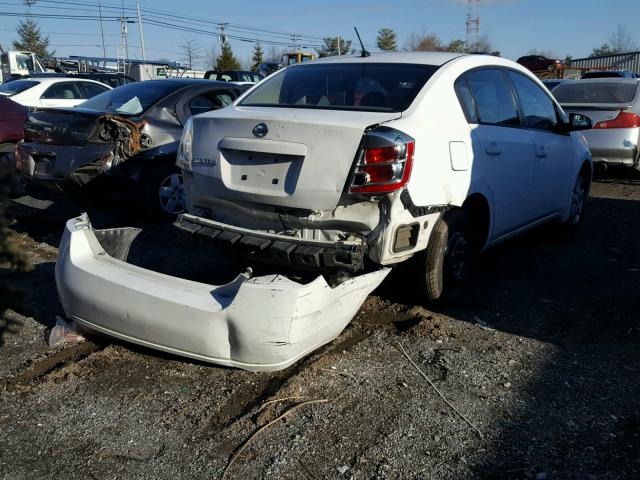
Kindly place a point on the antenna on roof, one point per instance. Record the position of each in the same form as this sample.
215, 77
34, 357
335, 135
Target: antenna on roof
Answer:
364, 52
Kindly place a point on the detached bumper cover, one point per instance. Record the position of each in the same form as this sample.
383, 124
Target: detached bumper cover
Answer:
262, 323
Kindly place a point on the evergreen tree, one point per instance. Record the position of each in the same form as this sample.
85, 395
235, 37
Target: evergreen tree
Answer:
331, 48
258, 57
227, 60
32, 40
386, 39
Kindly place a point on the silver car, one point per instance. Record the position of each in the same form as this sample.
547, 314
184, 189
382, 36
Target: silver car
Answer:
613, 105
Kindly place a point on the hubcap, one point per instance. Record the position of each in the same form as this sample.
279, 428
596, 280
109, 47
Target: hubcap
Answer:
456, 255
577, 201
171, 194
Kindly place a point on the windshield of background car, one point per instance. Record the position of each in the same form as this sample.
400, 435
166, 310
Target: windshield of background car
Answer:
384, 87
131, 99
587, 93
16, 86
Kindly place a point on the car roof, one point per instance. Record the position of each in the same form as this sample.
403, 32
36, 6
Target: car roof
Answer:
424, 58
187, 81
52, 80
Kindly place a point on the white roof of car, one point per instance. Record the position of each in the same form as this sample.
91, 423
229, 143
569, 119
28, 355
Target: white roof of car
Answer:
52, 80
425, 58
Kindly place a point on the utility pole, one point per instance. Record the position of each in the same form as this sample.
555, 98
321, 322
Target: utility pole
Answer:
295, 38
144, 56
28, 3
104, 48
222, 38
339, 52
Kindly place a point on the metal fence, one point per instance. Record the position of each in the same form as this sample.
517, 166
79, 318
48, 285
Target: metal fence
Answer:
623, 61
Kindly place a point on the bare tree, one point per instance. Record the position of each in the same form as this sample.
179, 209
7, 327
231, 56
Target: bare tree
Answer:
544, 53
621, 40
274, 54
191, 53
432, 43
483, 45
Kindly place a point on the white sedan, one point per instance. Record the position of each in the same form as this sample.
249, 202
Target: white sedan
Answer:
52, 92
343, 166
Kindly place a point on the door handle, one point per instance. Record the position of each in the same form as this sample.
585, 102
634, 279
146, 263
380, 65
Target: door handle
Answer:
493, 149
541, 152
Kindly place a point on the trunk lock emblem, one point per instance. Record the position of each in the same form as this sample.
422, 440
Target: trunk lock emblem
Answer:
260, 130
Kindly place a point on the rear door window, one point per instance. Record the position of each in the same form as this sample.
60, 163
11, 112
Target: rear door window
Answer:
92, 89
209, 101
538, 109
463, 91
493, 97
63, 91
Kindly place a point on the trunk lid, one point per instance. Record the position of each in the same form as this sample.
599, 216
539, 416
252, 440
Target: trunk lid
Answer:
597, 113
61, 126
291, 157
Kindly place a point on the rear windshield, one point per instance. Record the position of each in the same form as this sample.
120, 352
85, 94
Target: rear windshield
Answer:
16, 86
131, 99
586, 93
384, 87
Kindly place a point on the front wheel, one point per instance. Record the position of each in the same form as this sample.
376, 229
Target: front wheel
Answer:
163, 192
445, 265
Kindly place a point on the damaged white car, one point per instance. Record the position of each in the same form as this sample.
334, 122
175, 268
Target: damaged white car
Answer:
346, 165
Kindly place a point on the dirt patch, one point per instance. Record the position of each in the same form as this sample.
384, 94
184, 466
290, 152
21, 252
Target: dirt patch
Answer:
542, 354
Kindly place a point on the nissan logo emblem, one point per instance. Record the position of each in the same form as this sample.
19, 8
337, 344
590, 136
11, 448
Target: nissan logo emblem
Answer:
260, 130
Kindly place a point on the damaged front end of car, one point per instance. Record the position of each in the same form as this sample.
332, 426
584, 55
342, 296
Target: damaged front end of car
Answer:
255, 323
70, 148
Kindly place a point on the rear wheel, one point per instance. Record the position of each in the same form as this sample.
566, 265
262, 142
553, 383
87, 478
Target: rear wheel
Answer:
578, 205
445, 265
8, 160
163, 191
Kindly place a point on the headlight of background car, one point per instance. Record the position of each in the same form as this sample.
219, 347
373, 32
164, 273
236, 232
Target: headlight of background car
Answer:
185, 150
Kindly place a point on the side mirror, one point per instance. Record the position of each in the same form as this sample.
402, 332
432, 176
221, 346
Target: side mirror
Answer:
578, 121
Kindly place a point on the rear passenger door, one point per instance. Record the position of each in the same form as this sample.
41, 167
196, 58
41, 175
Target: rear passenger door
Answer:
552, 150
503, 150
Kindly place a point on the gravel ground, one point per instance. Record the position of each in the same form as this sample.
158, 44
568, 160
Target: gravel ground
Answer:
542, 357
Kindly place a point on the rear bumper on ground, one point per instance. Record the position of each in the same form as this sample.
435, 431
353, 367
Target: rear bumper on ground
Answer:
262, 323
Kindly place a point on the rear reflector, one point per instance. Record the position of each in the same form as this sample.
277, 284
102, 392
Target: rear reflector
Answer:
623, 120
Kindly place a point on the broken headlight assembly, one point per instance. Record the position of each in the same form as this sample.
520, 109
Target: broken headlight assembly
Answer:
185, 150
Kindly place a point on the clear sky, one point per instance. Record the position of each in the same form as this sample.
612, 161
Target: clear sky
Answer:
514, 27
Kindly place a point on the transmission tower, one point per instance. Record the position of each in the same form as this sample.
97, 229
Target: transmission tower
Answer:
123, 48
473, 25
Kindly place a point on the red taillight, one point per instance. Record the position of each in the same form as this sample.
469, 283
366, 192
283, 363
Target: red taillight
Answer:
623, 120
383, 169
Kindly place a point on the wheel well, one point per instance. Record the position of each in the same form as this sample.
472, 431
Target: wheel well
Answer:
477, 209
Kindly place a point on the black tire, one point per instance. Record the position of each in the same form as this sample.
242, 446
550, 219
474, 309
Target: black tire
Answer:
445, 265
8, 160
162, 196
579, 196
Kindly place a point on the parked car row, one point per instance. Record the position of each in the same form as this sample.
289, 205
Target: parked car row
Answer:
121, 141
341, 168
